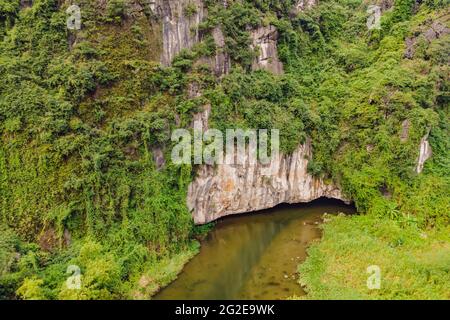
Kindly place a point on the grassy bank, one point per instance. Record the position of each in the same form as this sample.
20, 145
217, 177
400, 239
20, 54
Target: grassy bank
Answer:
414, 263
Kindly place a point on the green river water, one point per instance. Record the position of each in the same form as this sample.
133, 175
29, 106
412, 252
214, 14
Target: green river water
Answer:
253, 256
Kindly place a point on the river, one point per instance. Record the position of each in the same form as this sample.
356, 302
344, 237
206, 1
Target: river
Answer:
253, 256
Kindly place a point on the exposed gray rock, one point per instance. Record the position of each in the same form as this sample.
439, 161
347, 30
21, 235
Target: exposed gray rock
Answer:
232, 189
220, 63
137, 8
194, 90
410, 50
179, 30
265, 41
405, 130
425, 153
303, 5
67, 238
203, 116
428, 33
436, 31
158, 158
26, 3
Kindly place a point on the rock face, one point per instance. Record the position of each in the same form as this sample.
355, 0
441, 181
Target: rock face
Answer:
265, 40
405, 130
180, 20
425, 153
425, 35
225, 189
26, 3
231, 189
203, 116
303, 5
222, 62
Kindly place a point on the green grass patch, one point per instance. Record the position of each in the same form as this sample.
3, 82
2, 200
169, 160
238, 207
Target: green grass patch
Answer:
414, 263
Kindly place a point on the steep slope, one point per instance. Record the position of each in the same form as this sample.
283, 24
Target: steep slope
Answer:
86, 118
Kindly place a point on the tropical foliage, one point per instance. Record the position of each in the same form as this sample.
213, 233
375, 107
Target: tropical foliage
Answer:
83, 114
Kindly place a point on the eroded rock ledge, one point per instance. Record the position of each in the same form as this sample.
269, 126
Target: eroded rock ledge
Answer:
232, 189
265, 41
180, 30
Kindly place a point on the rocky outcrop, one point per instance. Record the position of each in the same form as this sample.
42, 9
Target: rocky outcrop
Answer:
203, 116
222, 62
158, 158
405, 130
303, 5
426, 35
425, 153
231, 189
265, 42
180, 20
225, 189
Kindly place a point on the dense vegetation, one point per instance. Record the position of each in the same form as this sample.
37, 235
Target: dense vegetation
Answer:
83, 112
78, 182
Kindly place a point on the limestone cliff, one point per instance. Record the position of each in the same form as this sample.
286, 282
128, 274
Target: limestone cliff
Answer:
180, 20
231, 189
220, 63
265, 41
425, 153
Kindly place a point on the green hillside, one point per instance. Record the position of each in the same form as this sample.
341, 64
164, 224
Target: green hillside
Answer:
82, 113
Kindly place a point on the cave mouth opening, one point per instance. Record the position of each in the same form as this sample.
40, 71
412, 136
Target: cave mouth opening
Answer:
322, 203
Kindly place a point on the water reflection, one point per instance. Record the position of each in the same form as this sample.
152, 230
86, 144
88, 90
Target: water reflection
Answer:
253, 256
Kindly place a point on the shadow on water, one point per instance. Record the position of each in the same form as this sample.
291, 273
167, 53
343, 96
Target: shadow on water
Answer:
253, 256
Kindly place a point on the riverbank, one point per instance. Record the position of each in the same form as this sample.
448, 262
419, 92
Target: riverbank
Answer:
253, 256
164, 272
414, 263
